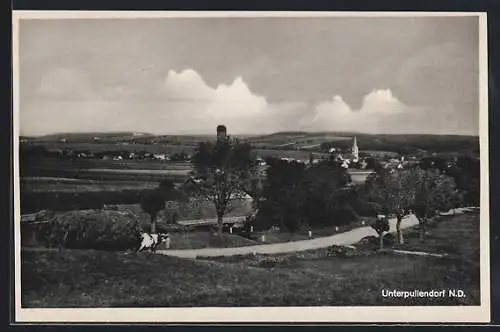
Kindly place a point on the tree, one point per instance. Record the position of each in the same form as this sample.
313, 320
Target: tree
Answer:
296, 196
381, 225
255, 190
392, 192
152, 202
282, 196
372, 163
222, 174
435, 192
166, 185
467, 173
167, 188
439, 163
174, 217
326, 203
464, 169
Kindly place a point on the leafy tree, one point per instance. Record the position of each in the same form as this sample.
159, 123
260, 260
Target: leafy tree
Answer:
222, 173
372, 163
381, 225
152, 202
439, 163
464, 169
392, 192
282, 196
166, 185
255, 190
296, 196
325, 201
167, 188
434, 192
466, 173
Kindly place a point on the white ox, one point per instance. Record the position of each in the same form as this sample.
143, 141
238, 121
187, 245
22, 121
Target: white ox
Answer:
151, 241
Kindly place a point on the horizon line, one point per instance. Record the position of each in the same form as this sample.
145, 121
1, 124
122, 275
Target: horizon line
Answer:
240, 134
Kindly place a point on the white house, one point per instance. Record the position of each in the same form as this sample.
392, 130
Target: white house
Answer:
160, 156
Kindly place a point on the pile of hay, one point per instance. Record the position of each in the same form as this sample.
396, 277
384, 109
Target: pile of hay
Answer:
94, 229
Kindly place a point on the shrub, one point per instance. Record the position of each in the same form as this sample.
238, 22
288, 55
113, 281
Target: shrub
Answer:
340, 251
389, 240
370, 239
271, 261
345, 215
94, 229
174, 228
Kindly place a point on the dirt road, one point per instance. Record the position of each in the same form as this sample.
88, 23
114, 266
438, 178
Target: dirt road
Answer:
346, 238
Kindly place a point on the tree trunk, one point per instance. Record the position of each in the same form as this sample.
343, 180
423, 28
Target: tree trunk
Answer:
381, 237
153, 223
220, 224
398, 230
255, 203
422, 229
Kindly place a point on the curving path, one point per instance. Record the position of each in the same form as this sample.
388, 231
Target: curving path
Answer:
345, 238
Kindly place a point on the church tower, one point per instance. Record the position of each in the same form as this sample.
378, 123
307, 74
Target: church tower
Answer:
221, 133
355, 150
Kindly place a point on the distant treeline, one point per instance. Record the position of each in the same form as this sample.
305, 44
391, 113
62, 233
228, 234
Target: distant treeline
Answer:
67, 201
119, 137
409, 144
30, 152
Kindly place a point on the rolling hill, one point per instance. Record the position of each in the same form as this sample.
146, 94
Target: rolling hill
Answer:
291, 140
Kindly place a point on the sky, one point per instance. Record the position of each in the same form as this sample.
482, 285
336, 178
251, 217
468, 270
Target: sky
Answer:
255, 75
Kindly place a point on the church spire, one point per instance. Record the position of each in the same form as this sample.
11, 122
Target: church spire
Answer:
355, 149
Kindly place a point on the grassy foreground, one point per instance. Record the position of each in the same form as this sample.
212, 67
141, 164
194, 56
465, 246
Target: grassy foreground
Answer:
72, 278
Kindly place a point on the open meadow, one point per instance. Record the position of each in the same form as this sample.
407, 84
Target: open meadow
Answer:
91, 278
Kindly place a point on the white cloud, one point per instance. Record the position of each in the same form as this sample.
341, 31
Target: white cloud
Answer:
203, 107
381, 102
380, 112
184, 103
187, 84
328, 114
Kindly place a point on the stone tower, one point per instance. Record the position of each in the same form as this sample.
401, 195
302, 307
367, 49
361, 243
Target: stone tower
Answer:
355, 150
221, 133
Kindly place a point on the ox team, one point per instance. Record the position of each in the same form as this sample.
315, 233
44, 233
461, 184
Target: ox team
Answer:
151, 241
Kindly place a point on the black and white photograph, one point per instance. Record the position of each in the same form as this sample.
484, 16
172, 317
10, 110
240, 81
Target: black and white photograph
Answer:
251, 167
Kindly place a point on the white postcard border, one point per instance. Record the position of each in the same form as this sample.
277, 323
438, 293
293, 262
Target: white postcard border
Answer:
394, 314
